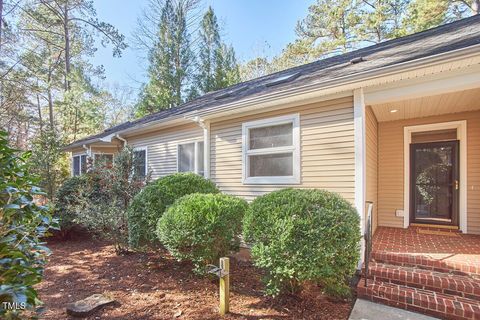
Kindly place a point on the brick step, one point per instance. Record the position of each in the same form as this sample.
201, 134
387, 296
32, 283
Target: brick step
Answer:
426, 262
444, 306
463, 286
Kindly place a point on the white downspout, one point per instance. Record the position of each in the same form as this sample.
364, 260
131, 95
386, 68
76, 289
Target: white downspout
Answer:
121, 139
360, 162
205, 125
88, 150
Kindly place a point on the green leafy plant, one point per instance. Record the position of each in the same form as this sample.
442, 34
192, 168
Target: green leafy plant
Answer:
303, 235
202, 227
102, 204
67, 198
23, 224
150, 204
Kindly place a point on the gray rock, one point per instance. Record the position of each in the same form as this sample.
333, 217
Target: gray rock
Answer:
87, 306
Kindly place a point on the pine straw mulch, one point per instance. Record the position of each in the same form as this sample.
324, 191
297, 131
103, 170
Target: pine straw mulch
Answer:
155, 286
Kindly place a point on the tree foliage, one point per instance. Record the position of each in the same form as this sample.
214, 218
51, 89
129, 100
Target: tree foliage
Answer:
170, 59
48, 95
181, 65
333, 27
24, 223
217, 65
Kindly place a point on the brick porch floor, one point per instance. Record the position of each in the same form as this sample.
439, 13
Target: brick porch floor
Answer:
458, 253
436, 274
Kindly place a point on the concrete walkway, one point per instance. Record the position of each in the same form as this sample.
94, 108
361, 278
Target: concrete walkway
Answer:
366, 310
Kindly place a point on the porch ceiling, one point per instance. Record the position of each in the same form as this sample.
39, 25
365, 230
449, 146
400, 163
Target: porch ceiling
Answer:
459, 101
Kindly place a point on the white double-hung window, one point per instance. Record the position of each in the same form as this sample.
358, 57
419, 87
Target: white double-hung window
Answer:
79, 164
271, 150
190, 157
140, 164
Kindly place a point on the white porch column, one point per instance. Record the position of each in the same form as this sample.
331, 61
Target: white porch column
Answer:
360, 161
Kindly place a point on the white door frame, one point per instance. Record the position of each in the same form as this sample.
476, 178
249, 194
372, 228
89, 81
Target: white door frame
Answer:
461, 127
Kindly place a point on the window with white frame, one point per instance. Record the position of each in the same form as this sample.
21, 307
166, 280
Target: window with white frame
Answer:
79, 164
190, 157
271, 151
140, 162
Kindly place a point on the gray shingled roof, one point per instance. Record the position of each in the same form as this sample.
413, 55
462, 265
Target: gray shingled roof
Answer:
456, 35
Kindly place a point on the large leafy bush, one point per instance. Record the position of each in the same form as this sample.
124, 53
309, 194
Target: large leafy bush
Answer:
67, 199
24, 222
202, 227
303, 235
102, 204
150, 204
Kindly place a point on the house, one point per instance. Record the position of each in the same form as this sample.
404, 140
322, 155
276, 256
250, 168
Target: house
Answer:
397, 123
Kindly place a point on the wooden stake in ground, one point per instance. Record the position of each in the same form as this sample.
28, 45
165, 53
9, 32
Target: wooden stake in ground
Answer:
224, 286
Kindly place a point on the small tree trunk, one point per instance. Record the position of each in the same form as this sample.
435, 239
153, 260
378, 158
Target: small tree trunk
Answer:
67, 46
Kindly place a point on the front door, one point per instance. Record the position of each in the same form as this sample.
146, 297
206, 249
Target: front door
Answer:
434, 182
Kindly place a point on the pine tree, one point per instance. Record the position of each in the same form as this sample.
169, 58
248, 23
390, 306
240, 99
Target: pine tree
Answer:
334, 27
330, 26
170, 61
218, 67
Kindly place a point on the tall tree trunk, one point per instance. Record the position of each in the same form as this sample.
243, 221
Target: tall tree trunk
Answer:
40, 119
50, 109
1, 22
49, 94
67, 46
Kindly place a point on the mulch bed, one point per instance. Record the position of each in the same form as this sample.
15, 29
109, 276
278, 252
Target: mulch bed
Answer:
155, 286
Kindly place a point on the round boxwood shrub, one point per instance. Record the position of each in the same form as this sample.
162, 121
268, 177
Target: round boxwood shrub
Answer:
202, 228
303, 235
150, 204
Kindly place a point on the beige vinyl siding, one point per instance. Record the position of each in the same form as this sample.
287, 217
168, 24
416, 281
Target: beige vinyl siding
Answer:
103, 149
327, 156
106, 150
371, 142
162, 147
390, 169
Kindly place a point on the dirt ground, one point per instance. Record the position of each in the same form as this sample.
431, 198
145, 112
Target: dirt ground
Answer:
155, 286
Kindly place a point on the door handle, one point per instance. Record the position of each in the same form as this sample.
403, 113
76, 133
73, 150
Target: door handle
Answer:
456, 184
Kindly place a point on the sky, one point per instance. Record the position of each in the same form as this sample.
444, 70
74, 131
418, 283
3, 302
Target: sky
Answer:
253, 27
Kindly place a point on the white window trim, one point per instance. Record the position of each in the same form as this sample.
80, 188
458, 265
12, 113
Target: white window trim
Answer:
146, 157
72, 165
295, 149
195, 161
461, 127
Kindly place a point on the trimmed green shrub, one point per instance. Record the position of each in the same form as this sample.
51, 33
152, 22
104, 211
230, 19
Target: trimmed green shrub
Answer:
202, 228
303, 235
150, 204
67, 199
